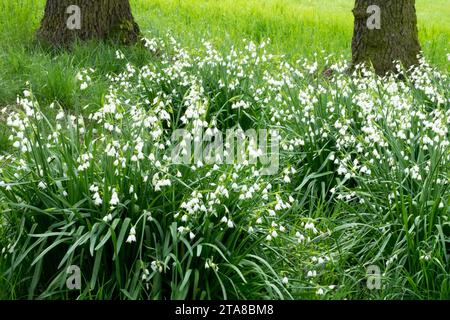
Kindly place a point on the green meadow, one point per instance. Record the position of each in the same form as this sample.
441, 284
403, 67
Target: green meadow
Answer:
296, 28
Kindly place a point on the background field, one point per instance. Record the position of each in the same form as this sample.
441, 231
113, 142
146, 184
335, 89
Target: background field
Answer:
297, 28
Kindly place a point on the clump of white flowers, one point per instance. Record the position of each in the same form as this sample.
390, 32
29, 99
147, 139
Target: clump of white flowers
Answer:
362, 131
84, 77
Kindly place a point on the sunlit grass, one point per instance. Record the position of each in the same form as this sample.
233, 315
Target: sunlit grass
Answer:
297, 28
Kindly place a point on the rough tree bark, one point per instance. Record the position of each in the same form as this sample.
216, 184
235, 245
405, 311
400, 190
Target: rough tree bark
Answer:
100, 19
396, 39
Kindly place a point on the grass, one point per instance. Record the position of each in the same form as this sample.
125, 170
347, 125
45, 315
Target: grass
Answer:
295, 27
364, 168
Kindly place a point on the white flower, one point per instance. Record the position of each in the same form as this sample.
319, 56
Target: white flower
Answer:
114, 198
320, 292
240, 104
42, 185
310, 226
107, 218
230, 224
311, 273
157, 266
426, 257
97, 199
210, 264
301, 238
132, 236
60, 115
149, 215
285, 280
119, 55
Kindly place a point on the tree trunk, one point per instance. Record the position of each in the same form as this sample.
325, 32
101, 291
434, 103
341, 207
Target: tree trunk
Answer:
98, 19
396, 38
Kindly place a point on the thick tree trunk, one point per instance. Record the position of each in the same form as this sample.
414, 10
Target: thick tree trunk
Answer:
100, 19
395, 39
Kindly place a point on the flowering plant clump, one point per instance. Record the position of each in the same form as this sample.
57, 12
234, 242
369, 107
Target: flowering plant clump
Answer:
362, 177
